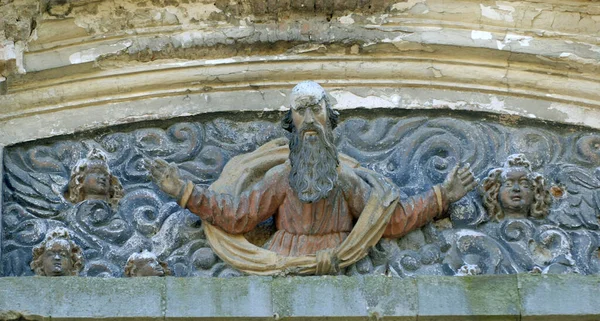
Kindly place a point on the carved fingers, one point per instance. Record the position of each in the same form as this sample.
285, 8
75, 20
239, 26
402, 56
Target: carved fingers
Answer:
156, 167
459, 182
467, 178
165, 175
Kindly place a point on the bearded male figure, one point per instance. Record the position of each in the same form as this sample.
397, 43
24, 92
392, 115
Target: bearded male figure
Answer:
315, 199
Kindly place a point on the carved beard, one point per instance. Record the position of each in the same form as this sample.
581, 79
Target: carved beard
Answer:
314, 164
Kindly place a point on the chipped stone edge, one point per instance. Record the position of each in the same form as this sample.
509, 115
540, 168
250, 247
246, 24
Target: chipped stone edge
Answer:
74, 120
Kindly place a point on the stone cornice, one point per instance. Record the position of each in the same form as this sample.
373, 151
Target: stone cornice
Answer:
510, 297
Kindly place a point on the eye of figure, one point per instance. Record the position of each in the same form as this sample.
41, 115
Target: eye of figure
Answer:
96, 171
52, 253
525, 183
316, 108
507, 183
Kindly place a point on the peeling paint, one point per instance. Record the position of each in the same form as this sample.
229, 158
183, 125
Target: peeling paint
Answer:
511, 38
404, 6
483, 35
348, 100
19, 50
583, 116
500, 45
437, 103
186, 39
346, 20
93, 53
219, 61
594, 48
501, 12
574, 57
7, 50
522, 40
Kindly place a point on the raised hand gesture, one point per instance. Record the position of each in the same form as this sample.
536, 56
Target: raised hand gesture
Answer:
165, 175
459, 182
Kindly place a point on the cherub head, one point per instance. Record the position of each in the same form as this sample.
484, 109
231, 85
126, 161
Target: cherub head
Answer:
145, 264
515, 190
91, 179
57, 255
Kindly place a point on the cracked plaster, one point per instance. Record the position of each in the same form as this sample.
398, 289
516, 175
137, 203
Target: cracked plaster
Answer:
89, 56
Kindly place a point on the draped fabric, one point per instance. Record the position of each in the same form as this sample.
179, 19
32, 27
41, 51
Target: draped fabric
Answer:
257, 184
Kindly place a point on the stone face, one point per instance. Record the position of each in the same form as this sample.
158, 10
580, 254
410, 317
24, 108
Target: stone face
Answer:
468, 298
345, 297
390, 299
248, 297
72, 297
530, 297
314, 297
559, 297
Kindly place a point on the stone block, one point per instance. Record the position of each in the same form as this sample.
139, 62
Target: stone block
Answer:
480, 297
390, 298
346, 298
67, 298
560, 297
317, 297
217, 298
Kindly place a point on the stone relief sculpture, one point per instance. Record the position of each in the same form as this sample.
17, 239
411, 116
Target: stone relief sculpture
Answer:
515, 191
91, 179
413, 149
314, 198
145, 263
57, 255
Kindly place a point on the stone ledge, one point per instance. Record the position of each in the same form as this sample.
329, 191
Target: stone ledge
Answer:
499, 297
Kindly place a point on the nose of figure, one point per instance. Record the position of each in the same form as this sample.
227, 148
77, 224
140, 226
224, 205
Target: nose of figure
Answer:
56, 257
516, 187
309, 118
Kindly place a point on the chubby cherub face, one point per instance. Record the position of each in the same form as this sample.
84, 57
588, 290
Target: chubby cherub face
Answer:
96, 183
516, 191
56, 260
148, 267
145, 264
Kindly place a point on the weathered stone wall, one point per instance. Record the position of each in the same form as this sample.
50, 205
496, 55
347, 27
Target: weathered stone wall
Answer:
71, 66
90, 64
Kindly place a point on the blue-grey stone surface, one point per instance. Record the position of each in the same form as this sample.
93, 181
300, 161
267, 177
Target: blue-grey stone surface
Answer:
415, 150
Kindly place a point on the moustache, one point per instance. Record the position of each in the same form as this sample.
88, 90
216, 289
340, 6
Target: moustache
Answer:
312, 127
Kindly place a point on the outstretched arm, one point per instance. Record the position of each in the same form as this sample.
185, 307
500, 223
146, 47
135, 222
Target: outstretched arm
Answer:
416, 211
234, 214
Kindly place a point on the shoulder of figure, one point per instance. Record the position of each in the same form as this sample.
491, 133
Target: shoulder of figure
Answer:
278, 171
348, 173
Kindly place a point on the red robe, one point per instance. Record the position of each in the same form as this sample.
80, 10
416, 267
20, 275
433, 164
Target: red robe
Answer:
305, 228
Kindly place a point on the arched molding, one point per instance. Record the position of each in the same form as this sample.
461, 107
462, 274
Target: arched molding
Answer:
82, 71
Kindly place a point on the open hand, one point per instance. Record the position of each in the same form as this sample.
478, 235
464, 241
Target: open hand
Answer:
459, 182
165, 175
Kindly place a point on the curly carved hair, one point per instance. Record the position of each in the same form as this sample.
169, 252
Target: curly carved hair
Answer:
491, 189
95, 159
131, 266
60, 233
